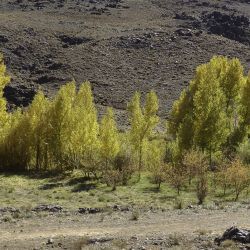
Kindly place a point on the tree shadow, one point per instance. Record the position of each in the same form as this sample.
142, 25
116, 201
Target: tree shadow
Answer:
78, 180
48, 186
83, 187
151, 189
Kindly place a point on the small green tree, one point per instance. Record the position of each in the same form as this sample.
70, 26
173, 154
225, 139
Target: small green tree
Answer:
176, 175
155, 161
222, 175
196, 166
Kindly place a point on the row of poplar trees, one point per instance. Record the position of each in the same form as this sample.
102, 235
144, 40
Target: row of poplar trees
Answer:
212, 115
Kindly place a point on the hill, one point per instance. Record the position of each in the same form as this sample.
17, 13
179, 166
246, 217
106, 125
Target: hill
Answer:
119, 46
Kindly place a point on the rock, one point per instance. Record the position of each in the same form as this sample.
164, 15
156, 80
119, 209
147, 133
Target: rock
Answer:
48, 208
121, 208
85, 210
3, 39
235, 234
228, 25
134, 238
184, 32
50, 241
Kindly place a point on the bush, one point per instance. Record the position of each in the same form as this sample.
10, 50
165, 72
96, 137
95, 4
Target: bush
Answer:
238, 175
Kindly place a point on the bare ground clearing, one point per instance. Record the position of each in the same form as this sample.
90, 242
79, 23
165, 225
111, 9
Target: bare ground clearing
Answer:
195, 228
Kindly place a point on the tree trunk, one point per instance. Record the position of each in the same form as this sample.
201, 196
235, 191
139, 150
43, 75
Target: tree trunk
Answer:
140, 162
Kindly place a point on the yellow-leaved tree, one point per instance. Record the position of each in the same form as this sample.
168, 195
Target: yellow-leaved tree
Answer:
84, 139
143, 121
109, 147
4, 80
38, 118
60, 125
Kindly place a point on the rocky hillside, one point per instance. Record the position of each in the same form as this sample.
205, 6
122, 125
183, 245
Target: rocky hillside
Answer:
119, 45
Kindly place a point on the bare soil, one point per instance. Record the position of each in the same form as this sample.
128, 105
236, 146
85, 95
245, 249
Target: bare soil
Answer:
194, 228
119, 45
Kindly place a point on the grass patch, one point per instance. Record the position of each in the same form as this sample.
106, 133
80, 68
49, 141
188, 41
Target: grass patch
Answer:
75, 190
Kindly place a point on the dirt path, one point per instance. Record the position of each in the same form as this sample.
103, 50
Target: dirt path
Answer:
25, 232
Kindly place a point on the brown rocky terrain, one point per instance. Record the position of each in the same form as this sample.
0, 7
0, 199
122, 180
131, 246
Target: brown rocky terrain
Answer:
118, 45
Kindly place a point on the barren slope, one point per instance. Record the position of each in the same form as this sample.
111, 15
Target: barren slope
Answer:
120, 46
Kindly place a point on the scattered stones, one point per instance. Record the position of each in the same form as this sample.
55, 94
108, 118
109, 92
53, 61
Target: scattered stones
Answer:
184, 16
48, 208
228, 25
63, 5
100, 240
121, 208
235, 234
148, 40
9, 210
86, 210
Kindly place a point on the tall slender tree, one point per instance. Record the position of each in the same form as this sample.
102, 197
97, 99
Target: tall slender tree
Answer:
143, 121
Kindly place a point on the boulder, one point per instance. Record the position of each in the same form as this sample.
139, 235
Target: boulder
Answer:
235, 234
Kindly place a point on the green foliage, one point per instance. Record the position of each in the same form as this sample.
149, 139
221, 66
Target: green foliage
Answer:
210, 127
245, 100
155, 161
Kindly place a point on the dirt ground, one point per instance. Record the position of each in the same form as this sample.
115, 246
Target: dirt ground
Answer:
192, 228
119, 46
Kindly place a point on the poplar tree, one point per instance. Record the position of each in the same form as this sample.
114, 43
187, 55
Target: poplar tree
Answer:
84, 137
4, 80
109, 147
109, 138
245, 100
143, 121
210, 120
207, 112
39, 130
60, 123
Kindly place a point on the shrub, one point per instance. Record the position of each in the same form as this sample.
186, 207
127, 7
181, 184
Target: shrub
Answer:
238, 175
